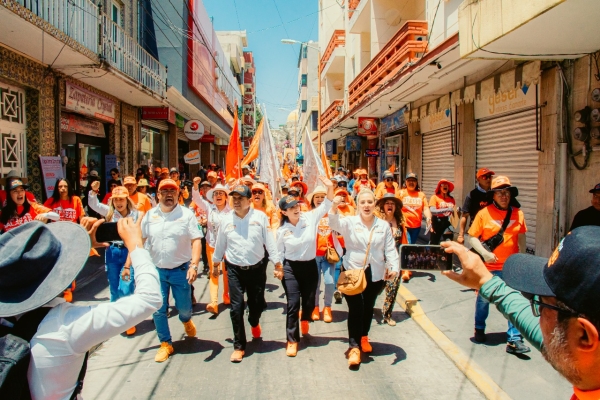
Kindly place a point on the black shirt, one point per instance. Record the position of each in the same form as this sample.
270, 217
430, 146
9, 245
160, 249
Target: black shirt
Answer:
475, 201
588, 216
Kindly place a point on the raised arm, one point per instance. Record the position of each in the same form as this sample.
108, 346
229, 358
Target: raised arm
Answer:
95, 205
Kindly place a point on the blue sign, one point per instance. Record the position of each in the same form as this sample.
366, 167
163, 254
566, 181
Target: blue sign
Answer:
393, 122
352, 143
331, 148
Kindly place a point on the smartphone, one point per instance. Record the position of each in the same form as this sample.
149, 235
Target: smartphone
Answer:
424, 257
107, 232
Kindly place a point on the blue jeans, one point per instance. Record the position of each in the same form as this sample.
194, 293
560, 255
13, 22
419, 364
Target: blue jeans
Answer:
482, 310
327, 270
338, 270
115, 258
413, 235
175, 280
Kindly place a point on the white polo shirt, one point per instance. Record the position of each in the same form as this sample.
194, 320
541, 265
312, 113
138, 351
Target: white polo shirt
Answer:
299, 243
241, 240
169, 235
213, 216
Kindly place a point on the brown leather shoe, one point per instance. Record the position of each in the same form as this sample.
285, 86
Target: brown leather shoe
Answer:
354, 357
327, 314
292, 349
237, 356
365, 346
304, 326
316, 314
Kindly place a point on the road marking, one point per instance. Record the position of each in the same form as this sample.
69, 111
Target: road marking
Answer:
466, 365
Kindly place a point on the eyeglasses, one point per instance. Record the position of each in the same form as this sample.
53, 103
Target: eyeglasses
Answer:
389, 179
258, 192
536, 306
168, 191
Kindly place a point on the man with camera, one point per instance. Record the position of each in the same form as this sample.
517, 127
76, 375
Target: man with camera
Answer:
497, 232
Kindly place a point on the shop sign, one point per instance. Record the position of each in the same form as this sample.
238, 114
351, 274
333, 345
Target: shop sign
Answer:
367, 126
372, 153
179, 121
334, 157
352, 143
224, 147
207, 139
193, 157
85, 102
51, 171
437, 121
82, 126
506, 102
392, 122
330, 148
194, 130
159, 114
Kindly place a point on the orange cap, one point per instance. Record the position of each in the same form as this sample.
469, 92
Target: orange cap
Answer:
157, 169
164, 171
168, 183
120, 192
129, 180
484, 171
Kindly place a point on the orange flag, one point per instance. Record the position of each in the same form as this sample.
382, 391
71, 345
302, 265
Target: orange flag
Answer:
393, 168
286, 172
235, 152
252, 153
325, 162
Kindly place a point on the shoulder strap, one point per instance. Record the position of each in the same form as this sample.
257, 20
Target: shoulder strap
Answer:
506, 221
369, 244
27, 325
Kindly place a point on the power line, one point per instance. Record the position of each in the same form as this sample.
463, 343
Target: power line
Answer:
237, 15
293, 20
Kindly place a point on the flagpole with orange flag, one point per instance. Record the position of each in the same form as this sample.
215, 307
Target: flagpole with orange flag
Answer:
234, 151
325, 163
252, 153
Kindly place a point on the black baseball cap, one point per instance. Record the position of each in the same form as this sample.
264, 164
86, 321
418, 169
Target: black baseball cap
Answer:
242, 190
571, 274
287, 202
595, 188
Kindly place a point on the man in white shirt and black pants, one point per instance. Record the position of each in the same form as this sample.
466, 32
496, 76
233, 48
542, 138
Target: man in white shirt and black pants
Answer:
172, 237
242, 237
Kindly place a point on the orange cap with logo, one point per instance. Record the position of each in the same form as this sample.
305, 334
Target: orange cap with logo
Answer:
120, 192
168, 183
129, 180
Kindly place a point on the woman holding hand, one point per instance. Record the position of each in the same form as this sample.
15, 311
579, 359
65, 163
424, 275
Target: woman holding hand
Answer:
370, 246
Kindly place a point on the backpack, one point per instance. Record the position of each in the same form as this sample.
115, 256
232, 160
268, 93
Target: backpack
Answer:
15, 354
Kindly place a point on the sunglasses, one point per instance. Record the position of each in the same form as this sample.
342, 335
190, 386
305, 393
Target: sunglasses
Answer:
258, 192
486, 177
342, 184
389, 179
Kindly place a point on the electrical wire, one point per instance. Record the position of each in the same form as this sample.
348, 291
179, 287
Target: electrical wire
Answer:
293, 20
237, 15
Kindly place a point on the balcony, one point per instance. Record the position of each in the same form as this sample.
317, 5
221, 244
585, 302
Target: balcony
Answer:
407, 45
330, 114
353, 4
337, 39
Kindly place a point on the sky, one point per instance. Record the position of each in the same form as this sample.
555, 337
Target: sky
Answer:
267, 22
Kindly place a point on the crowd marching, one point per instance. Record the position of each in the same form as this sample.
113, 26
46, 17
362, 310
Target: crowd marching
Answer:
347, 227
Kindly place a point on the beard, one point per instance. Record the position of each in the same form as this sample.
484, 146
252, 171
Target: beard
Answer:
557, 353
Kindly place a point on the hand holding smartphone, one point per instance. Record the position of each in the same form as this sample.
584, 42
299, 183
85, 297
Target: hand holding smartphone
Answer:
417, 257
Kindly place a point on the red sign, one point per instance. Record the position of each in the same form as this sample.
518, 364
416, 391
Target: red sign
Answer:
367, 126
88, 103
207, 139
224, 147
372, 153
83, 126
159, 113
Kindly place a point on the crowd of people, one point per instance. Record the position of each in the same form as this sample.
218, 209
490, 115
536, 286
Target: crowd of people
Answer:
234, 229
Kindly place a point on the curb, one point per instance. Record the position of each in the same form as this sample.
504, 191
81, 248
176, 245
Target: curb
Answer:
467, 366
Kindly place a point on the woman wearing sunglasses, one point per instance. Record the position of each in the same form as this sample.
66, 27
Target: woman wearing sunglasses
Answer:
388, 185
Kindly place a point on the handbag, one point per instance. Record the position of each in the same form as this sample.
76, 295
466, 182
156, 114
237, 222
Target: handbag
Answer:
354, 281
331, 255
498, 238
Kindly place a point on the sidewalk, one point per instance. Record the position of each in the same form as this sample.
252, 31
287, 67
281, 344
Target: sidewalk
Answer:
405, 363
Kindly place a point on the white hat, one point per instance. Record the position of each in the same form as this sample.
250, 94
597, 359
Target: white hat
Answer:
248, 178
217, 188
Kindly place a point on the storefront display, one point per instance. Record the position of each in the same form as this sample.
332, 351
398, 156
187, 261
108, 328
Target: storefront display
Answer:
153, 149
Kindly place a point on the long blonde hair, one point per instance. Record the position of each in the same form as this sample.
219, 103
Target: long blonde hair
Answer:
111, 208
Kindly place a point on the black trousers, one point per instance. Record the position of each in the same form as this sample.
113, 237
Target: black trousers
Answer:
265, 262
440, 226
204, 256
360, 310
300, 280
251, 282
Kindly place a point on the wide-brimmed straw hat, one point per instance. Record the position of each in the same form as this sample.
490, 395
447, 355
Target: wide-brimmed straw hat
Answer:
218, 188
386, 197
37, 262
12, 174
318, 190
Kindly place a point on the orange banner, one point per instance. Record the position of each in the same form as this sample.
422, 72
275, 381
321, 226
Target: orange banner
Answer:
234, 151
252, 153
325, 163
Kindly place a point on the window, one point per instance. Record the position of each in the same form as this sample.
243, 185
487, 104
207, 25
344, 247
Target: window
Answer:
304, 80
304, 106
304, 51
314, 115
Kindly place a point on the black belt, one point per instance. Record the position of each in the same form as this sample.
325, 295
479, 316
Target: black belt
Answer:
245, 267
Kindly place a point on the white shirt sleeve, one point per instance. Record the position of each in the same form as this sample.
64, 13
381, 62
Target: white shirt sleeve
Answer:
144, 226
200, 202
280, 243
339, 224
392, 259
95, 205
192, 226
320, 211
272, 247
88, 326
221, 243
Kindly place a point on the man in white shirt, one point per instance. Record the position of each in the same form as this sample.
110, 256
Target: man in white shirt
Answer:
55, 254
172, 237
242, 237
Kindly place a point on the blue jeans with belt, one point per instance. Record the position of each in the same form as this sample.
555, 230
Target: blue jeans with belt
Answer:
174, 280
115, 257
326, 270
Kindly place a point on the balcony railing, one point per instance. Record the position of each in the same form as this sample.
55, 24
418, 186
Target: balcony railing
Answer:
125, 54
77, 18
330, 114
337, 39
403, 47
353, 6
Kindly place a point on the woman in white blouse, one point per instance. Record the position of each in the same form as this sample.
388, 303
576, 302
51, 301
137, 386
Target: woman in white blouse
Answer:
381, 263
297, 245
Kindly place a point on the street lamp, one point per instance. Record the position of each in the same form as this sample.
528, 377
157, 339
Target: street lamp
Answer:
292, 41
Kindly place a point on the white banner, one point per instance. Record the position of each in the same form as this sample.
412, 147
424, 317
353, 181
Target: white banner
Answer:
268, 164
193, 157
312, 167
51, 171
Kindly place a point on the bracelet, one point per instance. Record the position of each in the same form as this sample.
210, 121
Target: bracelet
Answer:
125, 267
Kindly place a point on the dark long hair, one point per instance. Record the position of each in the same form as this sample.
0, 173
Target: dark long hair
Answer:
10, 210
56, 194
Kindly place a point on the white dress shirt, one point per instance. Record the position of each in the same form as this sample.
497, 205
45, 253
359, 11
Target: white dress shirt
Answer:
299, 243
241, 240
102, 208
68, 331
213, 216
382, 254
169, 235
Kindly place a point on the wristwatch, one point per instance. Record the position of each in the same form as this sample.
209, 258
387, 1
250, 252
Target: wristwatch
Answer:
194, 266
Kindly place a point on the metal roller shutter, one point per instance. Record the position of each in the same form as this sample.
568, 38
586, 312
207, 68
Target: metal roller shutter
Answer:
181, 135
160, 125
438, 161
507, 146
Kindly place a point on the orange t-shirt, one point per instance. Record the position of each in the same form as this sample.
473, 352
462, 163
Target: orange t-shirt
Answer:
324, 236
413, 204
68, 210
488, 222
141, 201
439, 202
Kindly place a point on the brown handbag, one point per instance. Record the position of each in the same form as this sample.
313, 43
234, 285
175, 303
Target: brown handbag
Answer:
331, 255
354, 281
